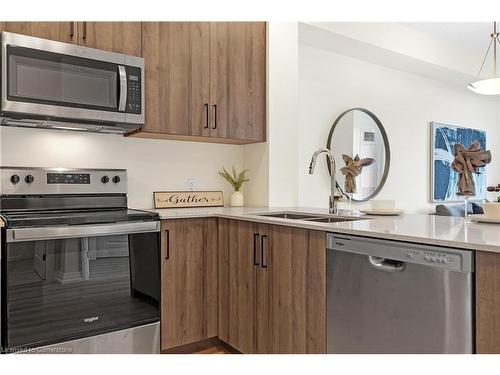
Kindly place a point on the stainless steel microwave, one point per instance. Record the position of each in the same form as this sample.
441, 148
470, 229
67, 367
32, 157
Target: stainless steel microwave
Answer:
57, 85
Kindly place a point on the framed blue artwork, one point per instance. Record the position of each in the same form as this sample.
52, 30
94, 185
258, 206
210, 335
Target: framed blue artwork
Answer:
443, 178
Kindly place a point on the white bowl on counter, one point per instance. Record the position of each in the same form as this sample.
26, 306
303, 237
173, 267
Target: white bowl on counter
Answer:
492, 210
383, 205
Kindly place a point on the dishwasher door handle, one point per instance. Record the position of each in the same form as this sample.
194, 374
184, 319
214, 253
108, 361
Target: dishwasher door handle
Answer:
387, 265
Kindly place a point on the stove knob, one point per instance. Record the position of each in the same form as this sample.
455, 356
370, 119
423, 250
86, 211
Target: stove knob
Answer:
29, 179
116, 179
105, 179
14, 179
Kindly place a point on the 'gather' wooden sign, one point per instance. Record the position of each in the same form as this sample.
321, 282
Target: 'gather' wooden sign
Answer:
180, 199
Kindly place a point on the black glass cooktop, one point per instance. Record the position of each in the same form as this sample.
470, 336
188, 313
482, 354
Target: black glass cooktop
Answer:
83, 217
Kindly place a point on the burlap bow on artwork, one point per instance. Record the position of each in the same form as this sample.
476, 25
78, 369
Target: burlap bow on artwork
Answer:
468, 161
352, 170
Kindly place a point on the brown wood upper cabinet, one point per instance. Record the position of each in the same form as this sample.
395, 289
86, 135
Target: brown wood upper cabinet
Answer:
247, 80
59, 31
189, 284
205, 81
272, 288
121, 37
171, 90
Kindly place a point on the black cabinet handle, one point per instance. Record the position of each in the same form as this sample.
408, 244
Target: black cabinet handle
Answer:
84, 36
255, 240
206, 116
262, 257
167, 255
71, 29
215, 116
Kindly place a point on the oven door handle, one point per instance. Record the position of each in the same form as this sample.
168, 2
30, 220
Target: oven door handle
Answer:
76, 231
123, 88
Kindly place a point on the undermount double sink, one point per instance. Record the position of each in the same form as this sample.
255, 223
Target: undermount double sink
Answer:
333, 218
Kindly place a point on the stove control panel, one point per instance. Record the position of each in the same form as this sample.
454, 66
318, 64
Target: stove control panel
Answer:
25, 181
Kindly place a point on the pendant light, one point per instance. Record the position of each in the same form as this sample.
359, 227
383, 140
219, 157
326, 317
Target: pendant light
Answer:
489, 86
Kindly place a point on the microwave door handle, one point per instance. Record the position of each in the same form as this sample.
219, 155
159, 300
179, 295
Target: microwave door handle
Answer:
123, 88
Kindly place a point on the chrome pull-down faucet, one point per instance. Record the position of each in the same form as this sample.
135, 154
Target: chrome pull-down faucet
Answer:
332, 202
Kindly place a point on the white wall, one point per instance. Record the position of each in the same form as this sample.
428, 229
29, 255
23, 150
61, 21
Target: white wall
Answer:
256, 160
405, 103
283, 113
273, 165
152, 165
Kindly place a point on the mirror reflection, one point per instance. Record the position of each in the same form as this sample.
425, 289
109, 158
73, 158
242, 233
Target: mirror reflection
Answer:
359, 143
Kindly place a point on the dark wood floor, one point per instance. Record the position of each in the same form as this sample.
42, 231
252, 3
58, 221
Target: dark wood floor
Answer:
215, 349
209, 346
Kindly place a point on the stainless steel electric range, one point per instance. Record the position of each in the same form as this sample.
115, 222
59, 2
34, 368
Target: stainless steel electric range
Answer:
80, 272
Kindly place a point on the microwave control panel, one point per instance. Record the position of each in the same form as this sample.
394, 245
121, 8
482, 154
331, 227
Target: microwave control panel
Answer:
134, 90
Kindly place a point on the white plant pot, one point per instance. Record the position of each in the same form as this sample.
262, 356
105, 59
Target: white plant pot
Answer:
237, 199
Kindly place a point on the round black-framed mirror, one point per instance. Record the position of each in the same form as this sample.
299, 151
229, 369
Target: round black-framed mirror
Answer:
360, 132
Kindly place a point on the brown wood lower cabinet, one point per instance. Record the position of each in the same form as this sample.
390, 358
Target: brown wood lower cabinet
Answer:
189, 289
272, 285
298, 290
262, 288
487, 302
238, 284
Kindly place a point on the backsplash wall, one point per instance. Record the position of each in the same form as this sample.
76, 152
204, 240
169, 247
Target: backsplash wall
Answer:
152, 165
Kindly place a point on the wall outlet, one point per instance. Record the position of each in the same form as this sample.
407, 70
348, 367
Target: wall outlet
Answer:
192, 184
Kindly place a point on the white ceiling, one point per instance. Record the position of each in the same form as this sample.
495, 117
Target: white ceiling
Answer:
447, 51
471, 36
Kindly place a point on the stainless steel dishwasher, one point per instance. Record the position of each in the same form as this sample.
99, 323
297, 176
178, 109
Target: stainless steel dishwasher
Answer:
396, 297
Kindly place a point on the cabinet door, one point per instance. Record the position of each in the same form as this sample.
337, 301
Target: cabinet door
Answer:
298, 291
176, 58
121, 37
59, 31
189, 290
487, 303
263, 328
165, 47
219, 58
199, 79
237, 279
247, 80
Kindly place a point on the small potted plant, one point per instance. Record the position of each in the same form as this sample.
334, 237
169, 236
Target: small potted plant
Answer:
236, 180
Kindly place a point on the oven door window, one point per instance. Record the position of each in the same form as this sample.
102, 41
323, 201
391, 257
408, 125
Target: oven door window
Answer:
60, 290
42, 77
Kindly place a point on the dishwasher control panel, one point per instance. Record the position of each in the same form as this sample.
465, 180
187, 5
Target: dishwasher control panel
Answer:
429, 255
432, 256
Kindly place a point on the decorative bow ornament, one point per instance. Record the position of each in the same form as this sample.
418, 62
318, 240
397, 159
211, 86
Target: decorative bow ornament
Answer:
352, 170
467, 162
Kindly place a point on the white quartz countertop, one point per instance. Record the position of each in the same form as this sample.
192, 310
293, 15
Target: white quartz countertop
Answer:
428, 229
